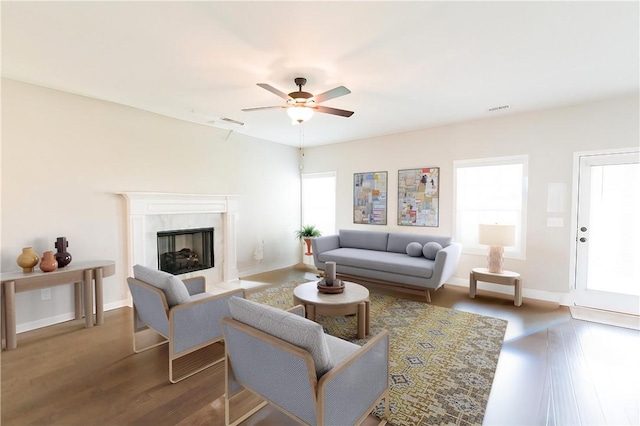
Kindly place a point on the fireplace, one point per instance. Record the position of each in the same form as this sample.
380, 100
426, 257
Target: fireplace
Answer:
149, 213
185, 250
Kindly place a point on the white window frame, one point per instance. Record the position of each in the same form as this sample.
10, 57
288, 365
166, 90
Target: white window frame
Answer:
519, 250
304, 219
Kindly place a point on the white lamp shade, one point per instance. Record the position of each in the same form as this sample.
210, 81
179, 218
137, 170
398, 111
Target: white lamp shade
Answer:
299, 114
497, 235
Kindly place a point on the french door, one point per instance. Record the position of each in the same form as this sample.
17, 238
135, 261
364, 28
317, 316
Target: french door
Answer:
608, 234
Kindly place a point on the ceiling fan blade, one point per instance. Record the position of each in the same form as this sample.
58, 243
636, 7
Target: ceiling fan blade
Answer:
334, 111
333, 93
264, 107
274, 91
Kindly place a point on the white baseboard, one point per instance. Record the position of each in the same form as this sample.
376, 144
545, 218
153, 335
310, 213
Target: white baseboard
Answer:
547, 296
245, 272
67, 316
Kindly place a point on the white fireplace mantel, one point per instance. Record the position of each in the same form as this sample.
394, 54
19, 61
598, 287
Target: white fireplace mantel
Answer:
143, 204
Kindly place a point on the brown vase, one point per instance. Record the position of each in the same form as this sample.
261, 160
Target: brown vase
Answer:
28, 259
48, 262
62, 255
308, 242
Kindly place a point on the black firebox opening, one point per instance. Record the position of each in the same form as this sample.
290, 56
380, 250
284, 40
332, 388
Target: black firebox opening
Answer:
185, 250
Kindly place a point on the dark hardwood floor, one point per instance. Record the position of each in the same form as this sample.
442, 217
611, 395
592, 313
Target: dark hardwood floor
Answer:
553, 370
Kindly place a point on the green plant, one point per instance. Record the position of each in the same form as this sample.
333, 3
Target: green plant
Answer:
307, 231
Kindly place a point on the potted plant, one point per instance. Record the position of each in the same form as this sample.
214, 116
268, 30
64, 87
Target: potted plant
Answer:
306, 233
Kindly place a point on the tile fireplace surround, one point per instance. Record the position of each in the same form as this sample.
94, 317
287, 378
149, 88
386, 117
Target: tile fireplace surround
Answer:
150, 212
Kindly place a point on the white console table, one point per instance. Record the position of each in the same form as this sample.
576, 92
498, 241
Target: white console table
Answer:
81, 274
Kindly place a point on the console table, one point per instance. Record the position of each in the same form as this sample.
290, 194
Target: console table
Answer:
81, 274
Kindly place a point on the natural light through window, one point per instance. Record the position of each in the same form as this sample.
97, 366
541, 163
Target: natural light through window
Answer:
319, 201
491, 190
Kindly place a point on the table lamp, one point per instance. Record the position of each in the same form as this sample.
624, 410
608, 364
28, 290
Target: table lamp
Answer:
497, 237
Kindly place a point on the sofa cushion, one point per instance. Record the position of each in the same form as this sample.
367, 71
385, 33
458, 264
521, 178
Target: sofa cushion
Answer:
397, 263
174, 289
287, 326
368, 240
431, 249
414, 249
398, 241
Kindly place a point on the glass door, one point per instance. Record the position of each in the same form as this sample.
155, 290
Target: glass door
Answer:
608, 234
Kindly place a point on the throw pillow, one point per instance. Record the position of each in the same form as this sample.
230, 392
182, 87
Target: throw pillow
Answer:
431, 249
414, 249
174, 289
287, 326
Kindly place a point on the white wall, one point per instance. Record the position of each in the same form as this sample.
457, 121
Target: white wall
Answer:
65, 156
549, 138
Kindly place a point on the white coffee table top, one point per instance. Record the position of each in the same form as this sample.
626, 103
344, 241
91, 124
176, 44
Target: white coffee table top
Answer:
353, 293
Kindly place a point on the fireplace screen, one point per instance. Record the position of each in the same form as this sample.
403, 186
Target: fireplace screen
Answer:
185, 250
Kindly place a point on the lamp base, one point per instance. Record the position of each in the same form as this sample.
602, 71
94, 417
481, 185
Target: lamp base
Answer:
495, 259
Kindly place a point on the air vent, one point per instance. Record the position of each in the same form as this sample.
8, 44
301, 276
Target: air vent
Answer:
498, 108
232, 121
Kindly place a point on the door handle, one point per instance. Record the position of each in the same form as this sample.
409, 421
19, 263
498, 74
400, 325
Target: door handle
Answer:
583, 239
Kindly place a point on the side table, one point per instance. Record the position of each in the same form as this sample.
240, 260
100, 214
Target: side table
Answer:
504, 277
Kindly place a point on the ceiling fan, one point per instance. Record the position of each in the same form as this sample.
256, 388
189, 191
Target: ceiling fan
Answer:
301, 105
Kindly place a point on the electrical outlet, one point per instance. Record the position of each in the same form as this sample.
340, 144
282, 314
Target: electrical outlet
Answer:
45, 294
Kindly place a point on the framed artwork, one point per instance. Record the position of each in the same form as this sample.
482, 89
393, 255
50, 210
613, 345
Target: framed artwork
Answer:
418, 191
370, 198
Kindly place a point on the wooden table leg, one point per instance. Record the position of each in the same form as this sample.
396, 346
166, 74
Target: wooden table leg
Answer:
10, 314
362, 313
310, 312
472, 285
367, 311
77, 299
88, 299
518, 296
99, 300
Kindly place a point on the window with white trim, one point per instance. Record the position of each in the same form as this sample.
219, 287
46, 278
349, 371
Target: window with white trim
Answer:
490, 190
319, 201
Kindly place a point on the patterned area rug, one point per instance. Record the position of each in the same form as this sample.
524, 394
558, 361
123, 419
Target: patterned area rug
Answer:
442, 361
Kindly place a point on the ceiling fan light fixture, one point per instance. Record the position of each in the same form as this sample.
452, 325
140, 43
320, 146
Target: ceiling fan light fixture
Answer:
299, 114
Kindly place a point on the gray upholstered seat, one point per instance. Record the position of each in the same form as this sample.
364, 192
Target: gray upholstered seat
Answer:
288, 361
181, 314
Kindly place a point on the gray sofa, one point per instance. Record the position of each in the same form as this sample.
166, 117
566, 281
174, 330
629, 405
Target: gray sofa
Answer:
410, 262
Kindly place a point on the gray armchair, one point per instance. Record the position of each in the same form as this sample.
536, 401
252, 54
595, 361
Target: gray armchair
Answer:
182, 315
277, 357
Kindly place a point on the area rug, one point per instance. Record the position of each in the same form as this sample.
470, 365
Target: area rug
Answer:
442, 361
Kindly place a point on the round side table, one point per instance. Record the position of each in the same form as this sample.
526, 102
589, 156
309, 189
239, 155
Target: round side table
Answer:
504, 278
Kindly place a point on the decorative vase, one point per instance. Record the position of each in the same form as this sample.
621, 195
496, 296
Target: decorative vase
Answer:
308, 242
28, 259
62, 255
48, 262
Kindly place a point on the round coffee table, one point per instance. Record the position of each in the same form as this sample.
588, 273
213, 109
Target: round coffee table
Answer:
353, 300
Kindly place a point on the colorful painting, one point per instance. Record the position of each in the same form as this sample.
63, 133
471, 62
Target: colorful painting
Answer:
418, 191
370, 198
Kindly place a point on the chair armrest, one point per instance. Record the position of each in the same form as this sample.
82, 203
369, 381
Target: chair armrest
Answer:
365, 374
320, 245
298, 310
446, 263
150, 306
195, 285
197, 323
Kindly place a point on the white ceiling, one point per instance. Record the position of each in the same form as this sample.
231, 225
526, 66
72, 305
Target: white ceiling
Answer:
409, 65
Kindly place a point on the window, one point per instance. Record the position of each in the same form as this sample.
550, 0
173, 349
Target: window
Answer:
319, 201
490, 190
